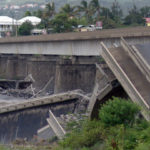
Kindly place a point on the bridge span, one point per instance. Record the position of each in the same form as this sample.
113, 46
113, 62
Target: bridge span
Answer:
132, 71
127, 63
73, 44
47, 100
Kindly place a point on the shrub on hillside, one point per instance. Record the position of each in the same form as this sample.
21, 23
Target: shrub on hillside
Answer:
90, 134
118, 111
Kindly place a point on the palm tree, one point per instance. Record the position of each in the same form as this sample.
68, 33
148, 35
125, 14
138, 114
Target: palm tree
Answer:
49, 10
116, 10
145, 11
38, 13
106, 13
47, 14
96, 6
69, 10
86, 9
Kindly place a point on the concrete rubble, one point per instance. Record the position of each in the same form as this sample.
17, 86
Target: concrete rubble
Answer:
62, 121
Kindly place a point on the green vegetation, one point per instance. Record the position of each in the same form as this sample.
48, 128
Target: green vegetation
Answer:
118, 128
86, 13
118, 112
125, 5
135, 17
26, 148
25, 28
61, 23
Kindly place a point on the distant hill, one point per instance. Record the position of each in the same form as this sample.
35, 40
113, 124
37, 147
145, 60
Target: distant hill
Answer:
61, 2
18, 13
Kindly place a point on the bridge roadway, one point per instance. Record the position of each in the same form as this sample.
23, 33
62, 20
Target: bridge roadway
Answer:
143, 53
144, 50
129, 75
30, 103
73, 36
76, 43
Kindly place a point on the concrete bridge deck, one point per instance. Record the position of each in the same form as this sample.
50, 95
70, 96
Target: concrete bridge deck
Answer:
134, 74
73, 36
58, 98
72, 44
129, 75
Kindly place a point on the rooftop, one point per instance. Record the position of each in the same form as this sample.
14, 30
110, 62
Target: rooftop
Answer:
5, 20
34, 20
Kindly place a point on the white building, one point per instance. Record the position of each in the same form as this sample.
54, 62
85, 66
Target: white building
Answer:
34, 20
7, 25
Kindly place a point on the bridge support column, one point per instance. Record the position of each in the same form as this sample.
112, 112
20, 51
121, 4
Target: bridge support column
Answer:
71, 76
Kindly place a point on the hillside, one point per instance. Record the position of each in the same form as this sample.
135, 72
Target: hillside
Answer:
16, 8
61, 2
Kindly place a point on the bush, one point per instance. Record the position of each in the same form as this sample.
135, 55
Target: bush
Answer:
116, 130
25, 28
143, 146
90, 134
3, 148
118, 111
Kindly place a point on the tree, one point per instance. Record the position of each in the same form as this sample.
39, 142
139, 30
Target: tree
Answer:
86, 9
82, 21
25, 28
38, 13
106, 13
95, 6
134, 17
108, 23
70, 11
49, 10
47, 15
62, 23
116, 11
27, 13
145, 11
118, 111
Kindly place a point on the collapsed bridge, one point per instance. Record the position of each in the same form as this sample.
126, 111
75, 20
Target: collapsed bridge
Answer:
73, 61
130, 65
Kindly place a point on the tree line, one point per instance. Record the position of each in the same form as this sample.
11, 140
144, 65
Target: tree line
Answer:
68, 17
